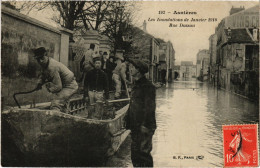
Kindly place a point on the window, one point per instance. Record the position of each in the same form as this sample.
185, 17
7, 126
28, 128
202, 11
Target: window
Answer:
249, 58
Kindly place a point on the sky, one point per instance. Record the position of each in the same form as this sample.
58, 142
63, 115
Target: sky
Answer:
187, 41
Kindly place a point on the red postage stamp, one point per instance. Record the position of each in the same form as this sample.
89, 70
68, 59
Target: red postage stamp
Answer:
240, 144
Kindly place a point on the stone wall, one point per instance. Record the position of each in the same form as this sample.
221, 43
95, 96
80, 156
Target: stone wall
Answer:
20, 34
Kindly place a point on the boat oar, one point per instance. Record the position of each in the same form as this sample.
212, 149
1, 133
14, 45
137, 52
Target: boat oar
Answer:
127, 90
22, 93
118, 100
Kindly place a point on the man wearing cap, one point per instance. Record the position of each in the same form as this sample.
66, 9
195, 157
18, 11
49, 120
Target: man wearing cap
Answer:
119, 74
140, 118
57, 78
96, 83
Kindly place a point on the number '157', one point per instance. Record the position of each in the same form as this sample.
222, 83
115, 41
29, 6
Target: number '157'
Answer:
161, 12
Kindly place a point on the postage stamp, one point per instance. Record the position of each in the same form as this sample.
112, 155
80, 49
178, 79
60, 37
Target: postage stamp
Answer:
240, 143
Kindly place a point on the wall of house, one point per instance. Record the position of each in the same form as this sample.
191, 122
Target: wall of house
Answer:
153, 70
20, 34
201, 65
234, 76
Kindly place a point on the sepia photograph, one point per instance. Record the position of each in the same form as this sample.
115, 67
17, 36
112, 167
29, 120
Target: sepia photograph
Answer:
129, 83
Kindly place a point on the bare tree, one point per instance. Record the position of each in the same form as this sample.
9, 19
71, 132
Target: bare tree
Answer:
111, 18
118, 23
70, 12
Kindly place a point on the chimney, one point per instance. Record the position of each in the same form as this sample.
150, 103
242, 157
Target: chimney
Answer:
144, 26
235, 10
255, 34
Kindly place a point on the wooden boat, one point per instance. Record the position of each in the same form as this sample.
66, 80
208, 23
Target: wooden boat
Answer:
40, 137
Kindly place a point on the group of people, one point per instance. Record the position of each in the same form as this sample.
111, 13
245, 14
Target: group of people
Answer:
101, 75
140, 118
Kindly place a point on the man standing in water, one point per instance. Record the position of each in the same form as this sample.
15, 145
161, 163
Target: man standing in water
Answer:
141, 115
60, 80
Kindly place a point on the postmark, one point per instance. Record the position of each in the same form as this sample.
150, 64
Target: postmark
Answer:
240, 143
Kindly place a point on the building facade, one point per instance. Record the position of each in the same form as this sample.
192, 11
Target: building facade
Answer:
202, 64
146, 48
238, 53
187, 70
213, 68
167, 60
160, 55
153, 70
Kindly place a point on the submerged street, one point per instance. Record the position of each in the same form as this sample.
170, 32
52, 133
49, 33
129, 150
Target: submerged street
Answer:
190, 115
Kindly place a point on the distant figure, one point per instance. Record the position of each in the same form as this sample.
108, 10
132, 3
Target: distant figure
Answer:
163, 74
86, 63
140, 118
119, 74
96, 84
176, 75
110, 66
60, 80
104, 60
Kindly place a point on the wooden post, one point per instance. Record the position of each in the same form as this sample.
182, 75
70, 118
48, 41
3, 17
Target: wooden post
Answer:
91, 111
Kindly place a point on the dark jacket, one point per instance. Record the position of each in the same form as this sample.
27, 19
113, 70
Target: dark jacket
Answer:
96, 79
110, 66
141, 111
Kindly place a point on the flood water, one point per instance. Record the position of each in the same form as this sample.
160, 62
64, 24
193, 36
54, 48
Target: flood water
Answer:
190, 115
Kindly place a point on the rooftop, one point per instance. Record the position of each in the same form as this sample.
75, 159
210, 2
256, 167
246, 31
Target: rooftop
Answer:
239, 35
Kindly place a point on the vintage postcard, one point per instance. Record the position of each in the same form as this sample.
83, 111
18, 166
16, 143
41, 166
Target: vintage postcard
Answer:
129, 83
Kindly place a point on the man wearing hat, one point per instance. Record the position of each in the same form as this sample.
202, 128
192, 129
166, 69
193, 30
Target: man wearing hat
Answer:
140, 118
119, 74
110, 66
57, 78
96, 83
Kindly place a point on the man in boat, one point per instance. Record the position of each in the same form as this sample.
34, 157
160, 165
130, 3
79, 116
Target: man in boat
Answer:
57, 78
140, 118
96, 86
119, 74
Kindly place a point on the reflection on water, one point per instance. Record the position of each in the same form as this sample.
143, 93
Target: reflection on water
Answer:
190, 115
